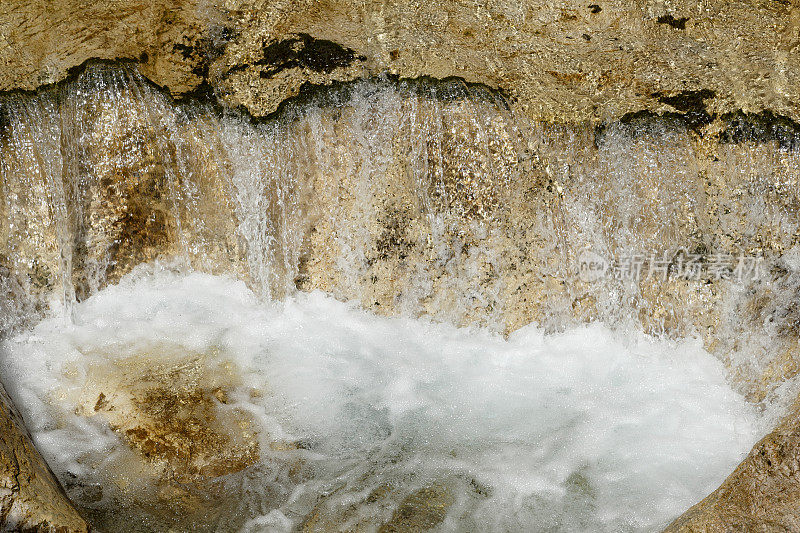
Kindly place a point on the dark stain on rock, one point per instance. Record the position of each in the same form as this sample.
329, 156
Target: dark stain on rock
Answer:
143, 227
304, 51
394, 240
185, 50
594, 8
237, 68
302, 281
196, 53
678, 24
760, 128
222, 35
40, 276
101, 402
644, 122
5, 120
202, 51
687, 101
691, 105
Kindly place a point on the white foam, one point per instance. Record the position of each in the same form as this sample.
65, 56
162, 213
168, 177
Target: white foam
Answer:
585, 430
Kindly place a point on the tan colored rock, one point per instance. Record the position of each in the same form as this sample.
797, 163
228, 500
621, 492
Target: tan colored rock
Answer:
473, 224
439, 199
161, 34
760, 496
181, 436
170, 408
519, 224
30, 497
568, 60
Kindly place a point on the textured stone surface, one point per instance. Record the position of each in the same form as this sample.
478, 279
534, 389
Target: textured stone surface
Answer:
570, 59
42, 40
713, 180
172, 410
761, 495
423, 197
30, 497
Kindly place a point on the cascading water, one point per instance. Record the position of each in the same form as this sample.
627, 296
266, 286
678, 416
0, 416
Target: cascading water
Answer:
114, 136
163, 391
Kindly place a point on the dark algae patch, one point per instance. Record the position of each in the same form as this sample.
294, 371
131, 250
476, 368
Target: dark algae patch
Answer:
304, 51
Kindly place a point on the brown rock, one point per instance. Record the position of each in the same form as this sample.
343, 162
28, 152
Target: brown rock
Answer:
170, 409
171, 414
30, 497
760, 496
570, 60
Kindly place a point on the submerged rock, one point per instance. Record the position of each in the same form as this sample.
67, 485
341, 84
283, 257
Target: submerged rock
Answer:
30, 497
183, 441
421, 510
174, 413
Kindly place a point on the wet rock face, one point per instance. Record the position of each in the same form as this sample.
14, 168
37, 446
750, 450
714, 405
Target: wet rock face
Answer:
760, 495
479, 219
568, 60
284, 66
411, 197
121, 174
30, 497
183, 438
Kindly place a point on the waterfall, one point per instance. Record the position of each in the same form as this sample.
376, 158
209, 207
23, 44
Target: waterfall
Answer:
153, 242
132, 176
417, 197
37, 254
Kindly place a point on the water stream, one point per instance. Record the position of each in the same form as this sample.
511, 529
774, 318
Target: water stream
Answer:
368, 303
587, 430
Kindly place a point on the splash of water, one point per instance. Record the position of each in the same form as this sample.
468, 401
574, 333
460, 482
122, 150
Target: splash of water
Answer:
432, 198
586, 430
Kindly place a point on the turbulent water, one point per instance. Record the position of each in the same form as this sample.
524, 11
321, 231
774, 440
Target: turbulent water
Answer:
432, 201
587, 430
106, 171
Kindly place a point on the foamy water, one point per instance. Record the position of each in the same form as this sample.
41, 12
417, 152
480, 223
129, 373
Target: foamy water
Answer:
587, 430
